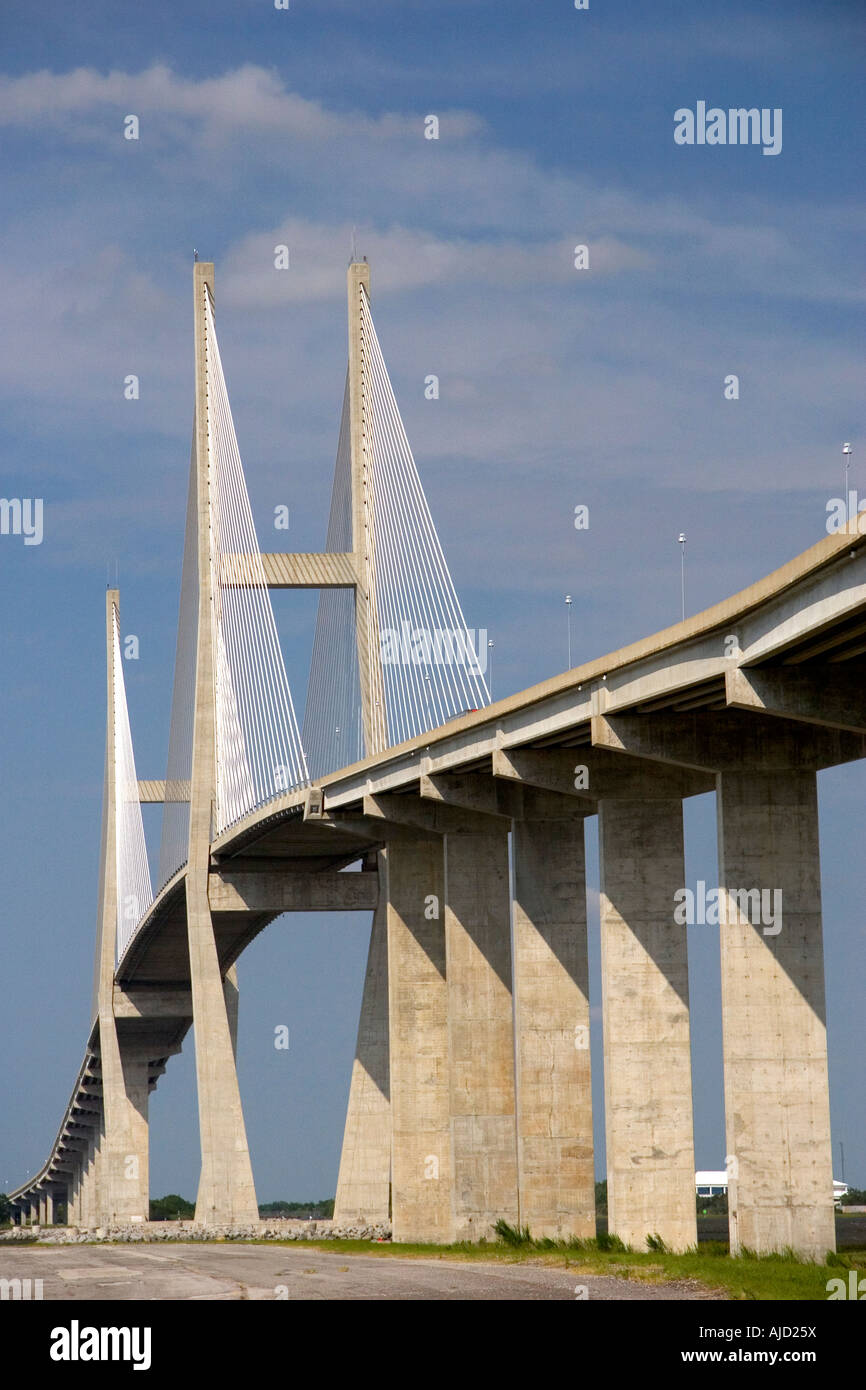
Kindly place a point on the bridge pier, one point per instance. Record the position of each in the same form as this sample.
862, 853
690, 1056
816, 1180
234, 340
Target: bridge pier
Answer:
551, 988
364, 1182
418, 1028
645, 1006
480, 1031
777, 1108
88, 1214
226, 1192
72, 1196
124, 1188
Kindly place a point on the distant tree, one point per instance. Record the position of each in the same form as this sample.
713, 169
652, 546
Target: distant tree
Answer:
713, 1206
5, 1209
319, 1211
171, 1208
601, 1198
855, 1197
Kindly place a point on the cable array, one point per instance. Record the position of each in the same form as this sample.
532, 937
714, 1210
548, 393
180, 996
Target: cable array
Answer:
432, 664
174, 844
259, 751
332, 718
134, 890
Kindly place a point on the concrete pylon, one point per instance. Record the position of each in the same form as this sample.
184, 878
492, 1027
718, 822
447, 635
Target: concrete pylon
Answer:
645, 1006
90, 1182
481, 1032
366, 619
123, 1191
551, 997
364, 1182
418, 1029
777, 1111
226, 1193
72, 1197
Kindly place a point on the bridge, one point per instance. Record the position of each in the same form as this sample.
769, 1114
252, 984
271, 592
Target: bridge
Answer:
459, 824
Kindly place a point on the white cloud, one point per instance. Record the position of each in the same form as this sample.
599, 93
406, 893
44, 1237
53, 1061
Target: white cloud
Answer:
405, 258
248, 99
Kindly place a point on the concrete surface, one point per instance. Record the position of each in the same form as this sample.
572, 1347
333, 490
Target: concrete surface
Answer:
236, 1272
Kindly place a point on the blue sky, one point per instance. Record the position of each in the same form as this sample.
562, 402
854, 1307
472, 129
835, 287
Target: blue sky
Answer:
558, 387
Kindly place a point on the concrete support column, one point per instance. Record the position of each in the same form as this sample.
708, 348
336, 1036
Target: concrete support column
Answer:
124, 1189
43, 1208
418, 1029
99, 1171
364, 1182
84, 1186
647, 1061
481, 1032
226, 1191
551, 989
777, 1107
231, 994
24, 1213
73, 1197
49, 1209
89, 1210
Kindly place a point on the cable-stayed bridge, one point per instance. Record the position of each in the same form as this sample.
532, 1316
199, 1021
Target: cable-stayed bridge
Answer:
470, 1095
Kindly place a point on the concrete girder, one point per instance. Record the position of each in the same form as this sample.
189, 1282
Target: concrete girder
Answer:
143, 1001
601, 776
369, 828
833, 698
292, 892
725, 742
312, 570
429, 818
482, 792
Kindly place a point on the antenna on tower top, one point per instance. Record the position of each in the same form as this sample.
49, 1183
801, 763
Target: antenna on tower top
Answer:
354, 242
194, 255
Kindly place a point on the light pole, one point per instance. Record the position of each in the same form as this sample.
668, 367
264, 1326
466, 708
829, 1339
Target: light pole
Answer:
568, 622
682, 544
846, 456
490, 665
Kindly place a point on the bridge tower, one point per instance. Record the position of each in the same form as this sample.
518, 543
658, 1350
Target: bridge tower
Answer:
367, 640
226, 1192
363, 1187
122, 1192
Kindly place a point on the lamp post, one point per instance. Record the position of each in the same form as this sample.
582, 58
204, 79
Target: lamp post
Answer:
568, 622
681, 539
846, 458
